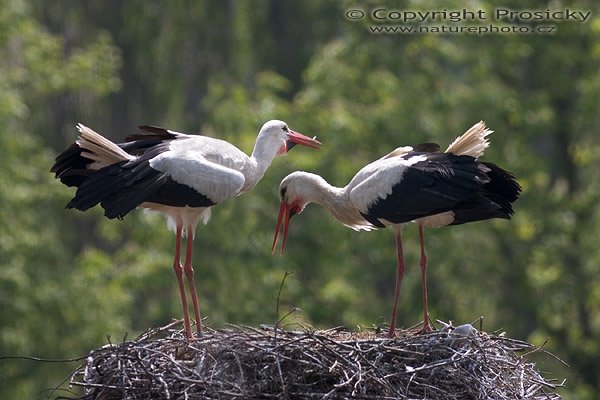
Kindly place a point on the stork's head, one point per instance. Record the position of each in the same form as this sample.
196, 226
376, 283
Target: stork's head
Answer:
277, 134
295, 192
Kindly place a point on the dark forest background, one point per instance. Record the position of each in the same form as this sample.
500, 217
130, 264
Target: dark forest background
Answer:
69, 280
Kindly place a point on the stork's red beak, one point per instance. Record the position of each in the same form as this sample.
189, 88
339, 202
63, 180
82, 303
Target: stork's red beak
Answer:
295, 138
285, 214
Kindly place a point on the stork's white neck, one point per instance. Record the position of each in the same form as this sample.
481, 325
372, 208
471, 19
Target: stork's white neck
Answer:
312, 188
260, 160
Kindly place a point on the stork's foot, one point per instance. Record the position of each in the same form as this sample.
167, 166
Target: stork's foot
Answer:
199, 328
425, 329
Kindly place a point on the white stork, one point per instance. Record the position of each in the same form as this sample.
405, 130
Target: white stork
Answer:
176, 174
409, 184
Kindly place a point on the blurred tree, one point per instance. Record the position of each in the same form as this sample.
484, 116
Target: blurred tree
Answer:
45, 309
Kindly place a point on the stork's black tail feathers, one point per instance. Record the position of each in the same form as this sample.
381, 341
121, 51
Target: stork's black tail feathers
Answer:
493, 200
122, 186
119, 188
71, 167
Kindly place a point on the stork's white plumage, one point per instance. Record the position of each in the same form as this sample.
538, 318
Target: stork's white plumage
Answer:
177, 174
412, 183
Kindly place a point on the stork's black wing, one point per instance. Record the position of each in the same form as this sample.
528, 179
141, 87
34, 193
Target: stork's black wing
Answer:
433, 185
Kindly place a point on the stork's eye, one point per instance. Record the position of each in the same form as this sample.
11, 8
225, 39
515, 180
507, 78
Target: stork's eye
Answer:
285, 128
282, 192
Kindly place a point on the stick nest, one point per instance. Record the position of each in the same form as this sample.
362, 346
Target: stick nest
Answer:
268, 363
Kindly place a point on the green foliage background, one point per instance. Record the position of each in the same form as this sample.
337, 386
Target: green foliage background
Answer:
69, 280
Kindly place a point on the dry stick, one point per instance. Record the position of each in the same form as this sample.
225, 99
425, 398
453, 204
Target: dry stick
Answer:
287, 273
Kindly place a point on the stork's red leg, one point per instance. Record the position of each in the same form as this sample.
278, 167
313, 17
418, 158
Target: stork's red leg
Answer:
399, 275
426, 327
179, 273
189, 273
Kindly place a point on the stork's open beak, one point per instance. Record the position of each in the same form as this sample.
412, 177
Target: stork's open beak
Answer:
285, 214
295, 138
